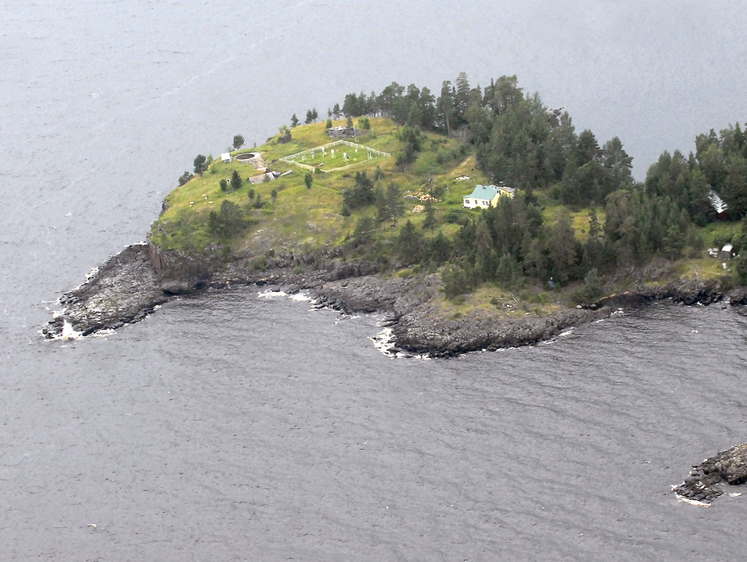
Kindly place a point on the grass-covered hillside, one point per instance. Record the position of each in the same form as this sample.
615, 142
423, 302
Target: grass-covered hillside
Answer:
286, 215
578, 226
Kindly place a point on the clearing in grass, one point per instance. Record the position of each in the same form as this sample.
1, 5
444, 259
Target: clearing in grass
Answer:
335, 156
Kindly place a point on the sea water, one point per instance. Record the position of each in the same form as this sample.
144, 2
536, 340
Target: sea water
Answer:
246, 425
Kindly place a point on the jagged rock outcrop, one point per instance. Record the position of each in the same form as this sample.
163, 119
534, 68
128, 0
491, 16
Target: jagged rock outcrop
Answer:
125, 289
703, 483
424, 330
131, 284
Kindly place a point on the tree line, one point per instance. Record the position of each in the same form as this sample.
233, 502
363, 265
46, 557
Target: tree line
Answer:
520, 142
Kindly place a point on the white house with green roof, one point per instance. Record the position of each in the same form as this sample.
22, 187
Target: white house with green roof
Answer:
485, 196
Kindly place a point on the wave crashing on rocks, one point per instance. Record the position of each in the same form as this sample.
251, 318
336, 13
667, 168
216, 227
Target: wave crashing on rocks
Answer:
705, 482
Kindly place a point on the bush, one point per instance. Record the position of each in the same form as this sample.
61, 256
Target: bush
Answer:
185, 177
740, 268
228, 222
456, 282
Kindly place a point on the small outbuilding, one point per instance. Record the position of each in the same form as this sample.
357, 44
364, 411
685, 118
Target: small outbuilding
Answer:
225, 157
727, 253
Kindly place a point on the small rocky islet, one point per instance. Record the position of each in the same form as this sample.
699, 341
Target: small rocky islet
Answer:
705, 481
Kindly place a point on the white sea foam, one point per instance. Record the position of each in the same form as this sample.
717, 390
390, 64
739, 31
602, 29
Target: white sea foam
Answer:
301, 297
91, 274
692, 502
270, 294
69, 333
384, 342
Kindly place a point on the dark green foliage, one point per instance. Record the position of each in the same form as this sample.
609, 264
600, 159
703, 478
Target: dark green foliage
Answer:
682, 181
308, 179
285, 135
519, 142
294, 121
229, 222
719, 164
740, 246
257, 204
236, 181
734, 191
639, 226
311, 116
457, 281
563, 248
238, 142
224, 184
274, 194
389, 203
412, 139
200, 164
508, 270
740, 268
364, 232
438, 250
409, 243
592, 289
328, 124
250, 193
361, 194
430, 216
185, 177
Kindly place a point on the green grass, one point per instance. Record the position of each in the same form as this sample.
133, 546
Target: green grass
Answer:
301, 220
308, 219
719, 233
337, 155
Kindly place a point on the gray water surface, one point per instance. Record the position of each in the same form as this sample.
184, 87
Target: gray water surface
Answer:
233, 427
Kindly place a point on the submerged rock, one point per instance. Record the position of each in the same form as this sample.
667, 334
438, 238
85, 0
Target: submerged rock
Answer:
703, 483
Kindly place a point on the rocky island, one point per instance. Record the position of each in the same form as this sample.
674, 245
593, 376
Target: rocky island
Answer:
476, 220
704, 484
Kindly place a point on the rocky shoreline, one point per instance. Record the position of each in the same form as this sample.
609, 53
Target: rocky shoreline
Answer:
131, 284
704, 483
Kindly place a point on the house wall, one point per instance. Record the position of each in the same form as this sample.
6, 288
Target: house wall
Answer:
472, 203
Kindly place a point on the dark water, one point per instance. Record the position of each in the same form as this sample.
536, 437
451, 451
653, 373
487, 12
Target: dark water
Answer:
232, 427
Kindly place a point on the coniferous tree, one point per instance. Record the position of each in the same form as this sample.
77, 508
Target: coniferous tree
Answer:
236, 181
200, 164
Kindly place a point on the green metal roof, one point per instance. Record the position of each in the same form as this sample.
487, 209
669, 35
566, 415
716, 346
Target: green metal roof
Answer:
484, 192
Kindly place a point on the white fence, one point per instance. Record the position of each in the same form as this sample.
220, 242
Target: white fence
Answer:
293, 158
